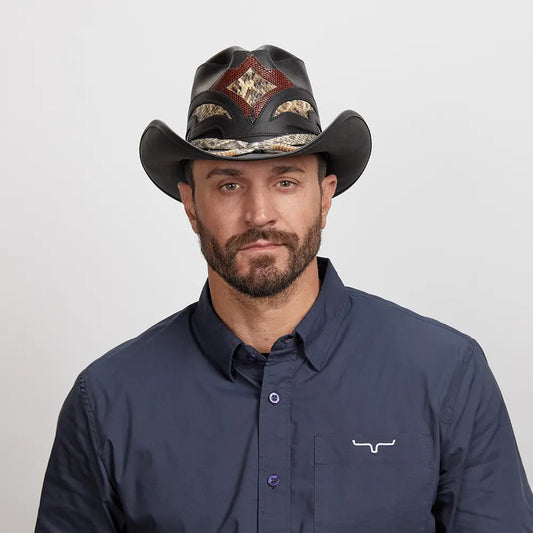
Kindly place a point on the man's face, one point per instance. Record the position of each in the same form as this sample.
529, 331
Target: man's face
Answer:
259, 222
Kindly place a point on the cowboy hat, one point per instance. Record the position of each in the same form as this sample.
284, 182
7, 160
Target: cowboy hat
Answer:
254, 105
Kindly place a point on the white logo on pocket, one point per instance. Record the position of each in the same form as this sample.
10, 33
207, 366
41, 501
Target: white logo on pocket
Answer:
372, 449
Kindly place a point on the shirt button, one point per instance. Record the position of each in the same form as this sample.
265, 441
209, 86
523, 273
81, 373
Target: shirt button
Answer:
251, 357
273, 397
273, 480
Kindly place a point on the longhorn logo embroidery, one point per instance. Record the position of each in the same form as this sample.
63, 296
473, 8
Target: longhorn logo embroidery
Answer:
372, 449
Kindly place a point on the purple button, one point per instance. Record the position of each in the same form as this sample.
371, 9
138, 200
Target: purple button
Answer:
273, 480
251, 357
273, 397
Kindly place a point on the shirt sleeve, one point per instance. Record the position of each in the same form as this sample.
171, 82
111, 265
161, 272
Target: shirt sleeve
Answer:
77, 494
483, 487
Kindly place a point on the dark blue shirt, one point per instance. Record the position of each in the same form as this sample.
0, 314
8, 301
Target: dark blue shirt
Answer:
367, 418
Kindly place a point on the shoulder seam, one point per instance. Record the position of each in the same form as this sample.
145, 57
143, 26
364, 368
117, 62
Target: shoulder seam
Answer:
447, 411
89, 412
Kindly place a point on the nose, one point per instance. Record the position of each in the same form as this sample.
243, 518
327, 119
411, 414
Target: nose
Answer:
259, 209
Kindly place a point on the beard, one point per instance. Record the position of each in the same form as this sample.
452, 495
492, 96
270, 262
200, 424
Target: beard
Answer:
263, 278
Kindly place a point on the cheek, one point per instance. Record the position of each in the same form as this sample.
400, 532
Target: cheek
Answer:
218, 225
223, 213
301, 215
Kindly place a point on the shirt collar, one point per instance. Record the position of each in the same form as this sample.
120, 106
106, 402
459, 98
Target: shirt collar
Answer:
317, 329
217, 341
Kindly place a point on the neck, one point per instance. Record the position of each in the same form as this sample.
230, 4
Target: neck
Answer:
259, 322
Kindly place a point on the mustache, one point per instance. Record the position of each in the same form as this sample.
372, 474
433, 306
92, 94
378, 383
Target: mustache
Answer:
235, 243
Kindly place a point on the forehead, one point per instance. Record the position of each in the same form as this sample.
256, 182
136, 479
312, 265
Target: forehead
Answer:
303, 164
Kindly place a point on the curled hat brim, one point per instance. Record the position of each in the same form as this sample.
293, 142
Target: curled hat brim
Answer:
346, 141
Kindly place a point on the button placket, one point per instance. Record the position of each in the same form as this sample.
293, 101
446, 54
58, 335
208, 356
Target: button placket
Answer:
275, 440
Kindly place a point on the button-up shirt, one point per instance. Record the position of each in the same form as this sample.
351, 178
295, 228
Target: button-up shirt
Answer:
366, 418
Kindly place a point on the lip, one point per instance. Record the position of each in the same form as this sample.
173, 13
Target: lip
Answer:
261, 245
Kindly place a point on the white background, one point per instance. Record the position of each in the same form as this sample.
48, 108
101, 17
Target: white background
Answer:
93, 253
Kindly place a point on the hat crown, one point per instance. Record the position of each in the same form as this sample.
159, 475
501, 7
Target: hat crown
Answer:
252, 96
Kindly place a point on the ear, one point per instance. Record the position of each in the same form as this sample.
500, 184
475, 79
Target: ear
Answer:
329, 185
188, 203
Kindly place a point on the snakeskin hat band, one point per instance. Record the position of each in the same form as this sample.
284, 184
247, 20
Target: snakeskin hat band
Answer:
233, 147
254, 105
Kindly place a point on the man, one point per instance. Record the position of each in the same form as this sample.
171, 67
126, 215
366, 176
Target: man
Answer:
282, 401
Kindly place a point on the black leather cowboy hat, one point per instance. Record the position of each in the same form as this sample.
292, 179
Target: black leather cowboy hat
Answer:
254, 105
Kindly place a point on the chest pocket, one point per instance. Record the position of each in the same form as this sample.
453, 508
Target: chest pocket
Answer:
382, 488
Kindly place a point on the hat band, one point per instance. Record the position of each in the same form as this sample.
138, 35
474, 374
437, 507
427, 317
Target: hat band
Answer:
233, 147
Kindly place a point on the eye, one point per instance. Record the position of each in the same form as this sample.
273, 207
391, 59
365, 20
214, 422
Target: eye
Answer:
286, 184
230, 186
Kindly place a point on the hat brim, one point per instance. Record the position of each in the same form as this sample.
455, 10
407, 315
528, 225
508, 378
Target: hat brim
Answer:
346, 141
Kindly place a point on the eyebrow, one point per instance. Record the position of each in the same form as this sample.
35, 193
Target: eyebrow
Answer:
286, 169
234, 172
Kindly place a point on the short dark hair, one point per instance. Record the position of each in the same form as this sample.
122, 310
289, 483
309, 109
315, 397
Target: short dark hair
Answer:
322, 166
322, 169
187, 171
